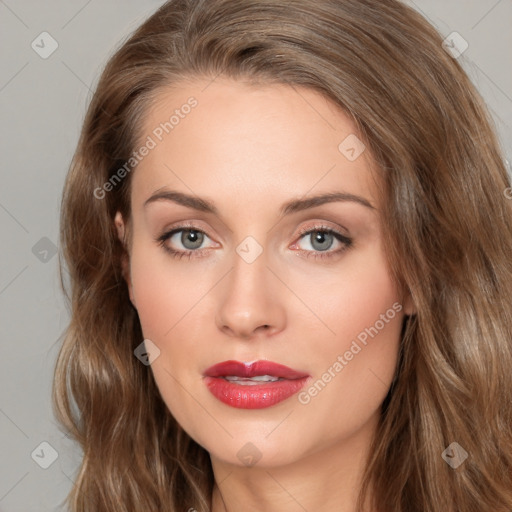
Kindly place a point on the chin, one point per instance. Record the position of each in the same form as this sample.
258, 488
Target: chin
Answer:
257, 450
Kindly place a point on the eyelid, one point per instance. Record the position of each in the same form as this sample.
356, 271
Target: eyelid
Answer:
322, 226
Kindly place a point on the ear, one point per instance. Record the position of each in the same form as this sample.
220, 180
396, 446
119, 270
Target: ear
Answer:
125, 258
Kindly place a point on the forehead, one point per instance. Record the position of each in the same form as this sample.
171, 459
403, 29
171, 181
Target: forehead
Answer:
226, 139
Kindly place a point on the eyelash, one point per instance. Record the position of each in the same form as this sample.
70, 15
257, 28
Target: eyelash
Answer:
189, 254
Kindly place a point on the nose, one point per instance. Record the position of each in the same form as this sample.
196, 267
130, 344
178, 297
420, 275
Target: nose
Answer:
251, 301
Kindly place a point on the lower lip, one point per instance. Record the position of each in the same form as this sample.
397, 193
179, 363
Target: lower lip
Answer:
253, 396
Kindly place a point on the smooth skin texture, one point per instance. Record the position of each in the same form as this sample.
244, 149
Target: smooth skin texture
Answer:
248, 150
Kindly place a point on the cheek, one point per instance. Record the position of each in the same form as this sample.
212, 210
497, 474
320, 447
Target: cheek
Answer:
151, 294
165, 299
354, 380
355, 366
163, 293
350, 298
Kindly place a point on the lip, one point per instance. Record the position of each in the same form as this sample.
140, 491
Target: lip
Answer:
262, 367
253, 396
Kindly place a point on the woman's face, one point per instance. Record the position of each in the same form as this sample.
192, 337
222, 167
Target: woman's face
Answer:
261, 271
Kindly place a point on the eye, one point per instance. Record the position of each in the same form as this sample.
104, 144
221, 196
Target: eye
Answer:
188, 237
320, 239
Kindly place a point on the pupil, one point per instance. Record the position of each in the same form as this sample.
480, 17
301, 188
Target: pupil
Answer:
323, 238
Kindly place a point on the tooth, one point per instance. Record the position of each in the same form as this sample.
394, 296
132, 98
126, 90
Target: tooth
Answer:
256, 378
270, 378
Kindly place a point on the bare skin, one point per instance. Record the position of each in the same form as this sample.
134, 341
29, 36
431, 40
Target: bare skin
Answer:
302, 303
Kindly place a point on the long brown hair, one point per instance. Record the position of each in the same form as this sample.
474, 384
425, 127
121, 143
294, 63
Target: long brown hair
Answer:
447, 228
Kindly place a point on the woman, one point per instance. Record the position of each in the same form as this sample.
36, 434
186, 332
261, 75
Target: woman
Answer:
288, 239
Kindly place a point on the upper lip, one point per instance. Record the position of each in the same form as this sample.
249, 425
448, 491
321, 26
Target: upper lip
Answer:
238, 369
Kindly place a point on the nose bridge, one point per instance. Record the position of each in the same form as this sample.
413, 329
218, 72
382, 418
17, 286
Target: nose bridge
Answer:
249, 274
250, 299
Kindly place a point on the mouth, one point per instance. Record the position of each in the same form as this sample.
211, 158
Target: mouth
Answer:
253, 386
251, 381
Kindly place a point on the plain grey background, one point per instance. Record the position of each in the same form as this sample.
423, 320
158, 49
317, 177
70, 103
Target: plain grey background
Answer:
43, 101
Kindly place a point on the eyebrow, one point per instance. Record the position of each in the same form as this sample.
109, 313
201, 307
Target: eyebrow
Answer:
293, 206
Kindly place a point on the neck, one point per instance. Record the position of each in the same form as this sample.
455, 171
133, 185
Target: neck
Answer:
324, 480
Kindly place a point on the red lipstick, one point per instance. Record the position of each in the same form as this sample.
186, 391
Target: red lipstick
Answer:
253, 386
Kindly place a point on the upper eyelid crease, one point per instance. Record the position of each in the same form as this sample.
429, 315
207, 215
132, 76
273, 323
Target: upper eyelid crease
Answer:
293, 206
